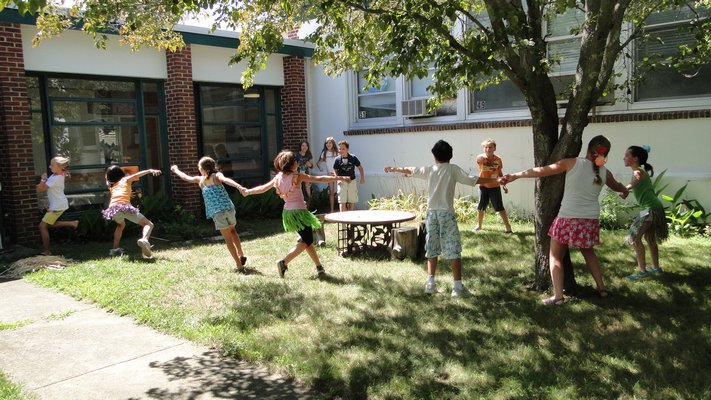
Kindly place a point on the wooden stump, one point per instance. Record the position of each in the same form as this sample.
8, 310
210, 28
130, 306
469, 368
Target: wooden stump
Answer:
421, 239
319, 234
405, 243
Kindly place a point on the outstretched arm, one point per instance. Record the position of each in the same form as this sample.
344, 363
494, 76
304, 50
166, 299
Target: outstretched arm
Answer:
613, 184
323, 179
259, 189
139, 174
182, 175
402, 170
229, 181
556, 168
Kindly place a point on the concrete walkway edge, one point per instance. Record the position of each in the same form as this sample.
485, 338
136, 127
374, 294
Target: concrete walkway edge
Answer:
65, 349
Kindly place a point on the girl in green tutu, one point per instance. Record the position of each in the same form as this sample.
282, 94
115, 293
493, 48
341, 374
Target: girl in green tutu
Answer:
295, 217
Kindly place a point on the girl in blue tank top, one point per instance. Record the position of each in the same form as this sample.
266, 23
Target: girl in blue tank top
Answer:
218, 205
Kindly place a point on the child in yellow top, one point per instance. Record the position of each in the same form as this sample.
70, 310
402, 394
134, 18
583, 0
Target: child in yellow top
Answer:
120, 208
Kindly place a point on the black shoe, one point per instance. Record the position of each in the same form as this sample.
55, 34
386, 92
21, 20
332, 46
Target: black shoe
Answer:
281, 267
320, 271
243, 260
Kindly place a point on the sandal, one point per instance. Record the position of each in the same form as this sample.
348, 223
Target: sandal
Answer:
603, 293
552, 301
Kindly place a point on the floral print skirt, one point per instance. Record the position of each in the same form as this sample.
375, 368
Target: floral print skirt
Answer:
583, 233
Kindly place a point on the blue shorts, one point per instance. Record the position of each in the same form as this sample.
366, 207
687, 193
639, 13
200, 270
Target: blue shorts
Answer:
442, 235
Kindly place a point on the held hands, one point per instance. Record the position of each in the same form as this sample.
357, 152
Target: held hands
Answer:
243, 191
43, 177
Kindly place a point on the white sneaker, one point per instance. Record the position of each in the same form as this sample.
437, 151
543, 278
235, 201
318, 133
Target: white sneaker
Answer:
430, 287
145, 246
116, 252
461, 292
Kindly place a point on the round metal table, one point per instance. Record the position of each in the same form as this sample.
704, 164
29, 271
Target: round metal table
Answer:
363, 231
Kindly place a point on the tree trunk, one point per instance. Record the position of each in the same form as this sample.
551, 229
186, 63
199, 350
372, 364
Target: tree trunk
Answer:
548, 194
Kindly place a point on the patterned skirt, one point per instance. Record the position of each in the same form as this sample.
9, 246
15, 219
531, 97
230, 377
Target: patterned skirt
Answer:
583, 233
652, 220
296, 220
119, 208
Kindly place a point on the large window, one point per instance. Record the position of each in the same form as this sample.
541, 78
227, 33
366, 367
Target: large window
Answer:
666, 32
241, 129
375, 102
95, 123
418, 90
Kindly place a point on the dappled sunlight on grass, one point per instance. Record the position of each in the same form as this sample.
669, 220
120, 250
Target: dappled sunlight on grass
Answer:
367, 330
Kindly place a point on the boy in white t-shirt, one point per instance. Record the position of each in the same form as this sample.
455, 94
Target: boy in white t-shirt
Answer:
58, 203
441, 220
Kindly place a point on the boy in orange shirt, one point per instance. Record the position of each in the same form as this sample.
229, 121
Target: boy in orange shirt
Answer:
490, 166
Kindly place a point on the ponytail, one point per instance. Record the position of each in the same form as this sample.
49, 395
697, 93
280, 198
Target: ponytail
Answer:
641, 153
599, 148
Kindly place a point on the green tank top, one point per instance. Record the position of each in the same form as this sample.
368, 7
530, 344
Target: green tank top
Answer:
644, 193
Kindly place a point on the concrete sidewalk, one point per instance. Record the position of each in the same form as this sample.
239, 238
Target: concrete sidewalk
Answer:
66, 349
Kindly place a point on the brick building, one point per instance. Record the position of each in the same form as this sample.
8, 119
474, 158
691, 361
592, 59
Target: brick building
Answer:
146, 109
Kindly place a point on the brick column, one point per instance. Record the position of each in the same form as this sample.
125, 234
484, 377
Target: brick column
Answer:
19, 193
182, 127
293, 103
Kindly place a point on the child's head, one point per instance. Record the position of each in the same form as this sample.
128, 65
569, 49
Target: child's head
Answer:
640, 154
442, 151
305, 148
488, 145
330, 144
58, 164
207, 166
343, 148
599, 146
114, 174
285, 161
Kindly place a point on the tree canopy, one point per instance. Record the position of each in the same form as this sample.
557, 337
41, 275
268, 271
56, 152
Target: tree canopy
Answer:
470, 44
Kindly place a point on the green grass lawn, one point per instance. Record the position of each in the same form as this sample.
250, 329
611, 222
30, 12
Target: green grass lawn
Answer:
368, 330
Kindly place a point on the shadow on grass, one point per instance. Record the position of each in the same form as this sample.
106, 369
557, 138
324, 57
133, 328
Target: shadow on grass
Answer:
500, 341
221, 377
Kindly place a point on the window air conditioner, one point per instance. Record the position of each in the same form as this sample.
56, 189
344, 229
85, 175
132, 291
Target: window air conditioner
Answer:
415, 108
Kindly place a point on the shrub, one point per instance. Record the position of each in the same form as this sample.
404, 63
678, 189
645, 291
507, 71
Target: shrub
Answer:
265, 205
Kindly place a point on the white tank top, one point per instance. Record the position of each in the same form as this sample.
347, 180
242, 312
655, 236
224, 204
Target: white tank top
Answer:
580, 199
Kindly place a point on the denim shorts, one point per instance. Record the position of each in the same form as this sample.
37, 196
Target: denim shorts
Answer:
224, 219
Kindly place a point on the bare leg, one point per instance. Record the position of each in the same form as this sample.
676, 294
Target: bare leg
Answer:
505, 218
593, 264
236, 242
432, 266
118, 233
311, 251
294, 252
147, 228
557, 252
343, 206
639, 253
229, 240
457, 269
479, 218
66, 224
44, 234
653, 248
331, 194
